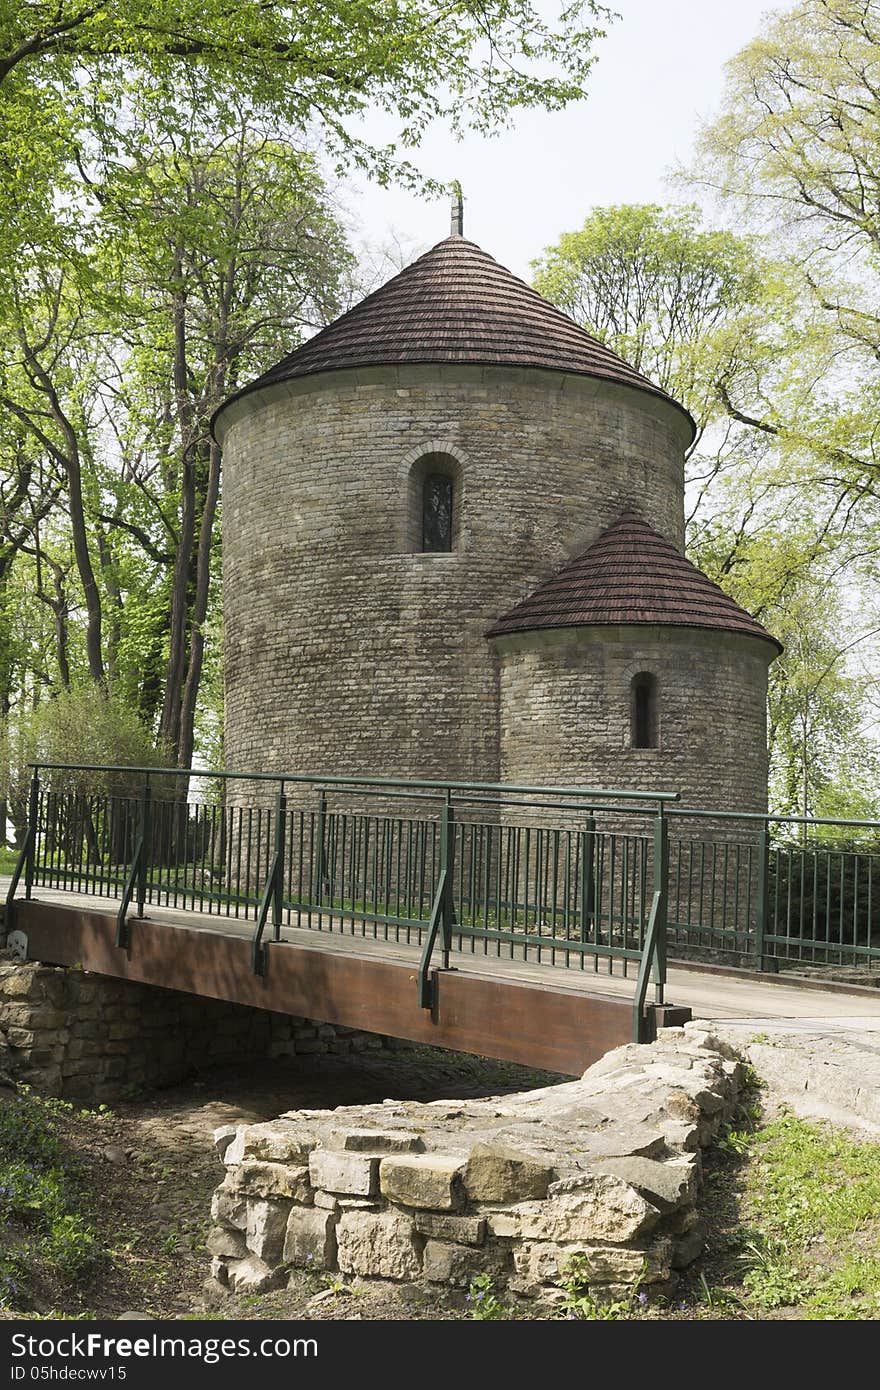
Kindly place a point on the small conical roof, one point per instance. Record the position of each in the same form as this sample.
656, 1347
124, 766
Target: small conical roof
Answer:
455, 304
630, 575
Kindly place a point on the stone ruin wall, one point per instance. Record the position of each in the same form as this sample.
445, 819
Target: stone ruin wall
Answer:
606, 1169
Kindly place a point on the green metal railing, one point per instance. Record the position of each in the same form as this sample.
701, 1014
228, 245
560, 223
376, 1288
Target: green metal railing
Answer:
457, 869
775, 892
608, 882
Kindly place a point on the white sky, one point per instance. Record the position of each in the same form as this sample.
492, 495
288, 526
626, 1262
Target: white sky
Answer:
659, 74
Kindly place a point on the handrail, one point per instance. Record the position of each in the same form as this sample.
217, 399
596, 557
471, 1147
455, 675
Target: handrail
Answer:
319, 779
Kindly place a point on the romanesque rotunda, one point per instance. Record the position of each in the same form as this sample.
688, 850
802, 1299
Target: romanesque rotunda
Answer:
453, 548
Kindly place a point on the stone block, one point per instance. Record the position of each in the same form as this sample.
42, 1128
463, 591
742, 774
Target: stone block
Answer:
227, 1243
505, 1224
536, 1263
496, 1173
310, 1238
456, 1265
374, 1141
592, 1208
270, 1180
463, 1230
378, 1244
339, 1171
266, 1229
223, 1137
422, 1180
250, 1275
229, 1208
666, 1185
278, 1141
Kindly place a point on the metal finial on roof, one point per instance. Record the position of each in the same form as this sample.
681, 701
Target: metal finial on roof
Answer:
457, 224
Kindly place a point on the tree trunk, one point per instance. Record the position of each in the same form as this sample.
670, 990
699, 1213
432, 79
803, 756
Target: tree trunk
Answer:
199, 612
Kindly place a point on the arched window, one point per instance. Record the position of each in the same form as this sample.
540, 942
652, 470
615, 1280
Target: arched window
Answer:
438, 500
643, 710
434, 504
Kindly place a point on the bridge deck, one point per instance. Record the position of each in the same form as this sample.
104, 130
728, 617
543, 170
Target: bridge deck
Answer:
539, 1013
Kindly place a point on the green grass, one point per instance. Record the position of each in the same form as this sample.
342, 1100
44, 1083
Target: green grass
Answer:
46, 1238
801, 1235
8, 860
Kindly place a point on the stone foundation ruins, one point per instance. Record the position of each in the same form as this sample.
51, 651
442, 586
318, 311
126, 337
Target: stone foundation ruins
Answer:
606, 1168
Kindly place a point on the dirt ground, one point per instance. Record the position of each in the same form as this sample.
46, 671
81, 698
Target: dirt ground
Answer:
151, 1168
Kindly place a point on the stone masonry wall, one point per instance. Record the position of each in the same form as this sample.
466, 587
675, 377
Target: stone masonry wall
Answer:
606, 1168
344, 650
565, 712
84, 1036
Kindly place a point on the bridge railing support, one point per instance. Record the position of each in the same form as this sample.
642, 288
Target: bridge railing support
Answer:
653, 962
273, 892
25, 863
138, 873
441, 910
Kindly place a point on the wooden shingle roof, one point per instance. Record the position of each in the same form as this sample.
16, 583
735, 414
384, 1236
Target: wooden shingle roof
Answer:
455, 304
630, 575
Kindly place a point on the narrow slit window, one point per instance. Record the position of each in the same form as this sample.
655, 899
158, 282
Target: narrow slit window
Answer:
644, 711
437, 502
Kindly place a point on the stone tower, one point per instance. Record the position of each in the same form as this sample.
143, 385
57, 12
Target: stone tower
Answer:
453, 532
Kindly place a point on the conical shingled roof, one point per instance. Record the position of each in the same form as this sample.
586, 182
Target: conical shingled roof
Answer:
630, 575
455, 304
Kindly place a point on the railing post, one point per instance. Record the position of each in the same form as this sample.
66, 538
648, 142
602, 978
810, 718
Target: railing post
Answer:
146, 835
763, 895
447, 831
33, 813
588, 876
278, 885
661, 885
319, 833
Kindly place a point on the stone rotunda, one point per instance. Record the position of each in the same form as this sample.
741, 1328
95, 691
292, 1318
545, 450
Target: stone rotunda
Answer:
453, 548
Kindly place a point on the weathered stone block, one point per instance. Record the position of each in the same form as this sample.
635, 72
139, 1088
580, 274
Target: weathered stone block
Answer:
374, 1140
310, 1239
270, 1180
250, 1275
223, 1137
339, 1171
227, 1243
495, 1173
422, 1180
377, 1243
594, 1208
274, 1142
463, 1230
229, 1208
266, 1229
446, 1263
666, 1185
539, 1263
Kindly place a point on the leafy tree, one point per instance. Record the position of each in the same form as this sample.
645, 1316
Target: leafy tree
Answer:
661, 291
310, 65
796, 150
